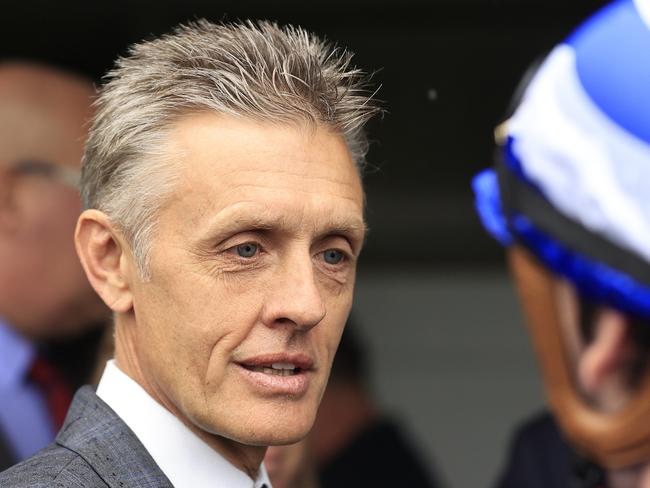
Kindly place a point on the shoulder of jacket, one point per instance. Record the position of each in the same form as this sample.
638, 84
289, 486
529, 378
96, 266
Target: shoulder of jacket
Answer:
53, 467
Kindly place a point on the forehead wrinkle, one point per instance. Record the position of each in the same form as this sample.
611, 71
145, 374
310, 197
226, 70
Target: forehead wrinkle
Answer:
297, 190
222, 195
191, 180
302, 175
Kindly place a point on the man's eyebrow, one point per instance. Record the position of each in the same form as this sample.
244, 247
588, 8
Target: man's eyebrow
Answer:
253, 222
224, 226
346, 227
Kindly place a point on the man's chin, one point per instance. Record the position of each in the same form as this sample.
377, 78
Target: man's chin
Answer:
285, 438
276, 433
267, 438
263, 426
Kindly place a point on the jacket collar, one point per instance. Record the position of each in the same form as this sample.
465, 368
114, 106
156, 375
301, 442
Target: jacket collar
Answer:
96, 433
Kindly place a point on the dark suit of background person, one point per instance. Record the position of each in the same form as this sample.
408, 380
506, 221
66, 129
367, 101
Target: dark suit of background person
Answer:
540, 457
50, 318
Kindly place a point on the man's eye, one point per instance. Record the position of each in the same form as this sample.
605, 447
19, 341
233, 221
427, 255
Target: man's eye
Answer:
333, 256
247, 250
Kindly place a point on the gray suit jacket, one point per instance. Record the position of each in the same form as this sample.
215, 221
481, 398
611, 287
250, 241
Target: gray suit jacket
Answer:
94, 449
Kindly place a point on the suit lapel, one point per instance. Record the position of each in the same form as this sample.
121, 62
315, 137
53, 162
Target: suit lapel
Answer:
97, 434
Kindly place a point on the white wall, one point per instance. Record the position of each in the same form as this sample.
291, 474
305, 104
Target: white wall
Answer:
450, 355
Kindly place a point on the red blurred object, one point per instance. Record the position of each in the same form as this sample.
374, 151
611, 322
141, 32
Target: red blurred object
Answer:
55, 388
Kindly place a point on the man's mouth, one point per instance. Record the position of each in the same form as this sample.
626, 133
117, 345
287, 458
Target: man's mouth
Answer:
278, 369
282, 373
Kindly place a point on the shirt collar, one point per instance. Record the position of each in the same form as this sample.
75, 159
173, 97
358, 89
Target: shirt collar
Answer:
185, 459
16, 355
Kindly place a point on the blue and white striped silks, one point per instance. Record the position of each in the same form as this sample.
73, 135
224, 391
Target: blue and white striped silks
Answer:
581, 136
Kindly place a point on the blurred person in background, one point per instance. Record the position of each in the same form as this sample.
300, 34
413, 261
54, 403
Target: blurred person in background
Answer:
570, 198
50, 318
352, 442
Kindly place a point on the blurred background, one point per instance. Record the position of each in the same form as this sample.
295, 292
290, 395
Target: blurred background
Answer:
448, 351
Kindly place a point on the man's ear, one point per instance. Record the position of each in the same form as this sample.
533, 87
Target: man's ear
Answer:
603, 361
105, 259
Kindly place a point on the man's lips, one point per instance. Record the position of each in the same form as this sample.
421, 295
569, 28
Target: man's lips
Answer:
278, 363
281, 373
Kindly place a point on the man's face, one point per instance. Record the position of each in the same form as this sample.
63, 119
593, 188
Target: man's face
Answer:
252, 276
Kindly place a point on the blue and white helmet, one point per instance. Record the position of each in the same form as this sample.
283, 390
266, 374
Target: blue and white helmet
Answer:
573, 183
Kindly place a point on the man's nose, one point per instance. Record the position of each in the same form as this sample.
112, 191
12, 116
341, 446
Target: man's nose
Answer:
294, 298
